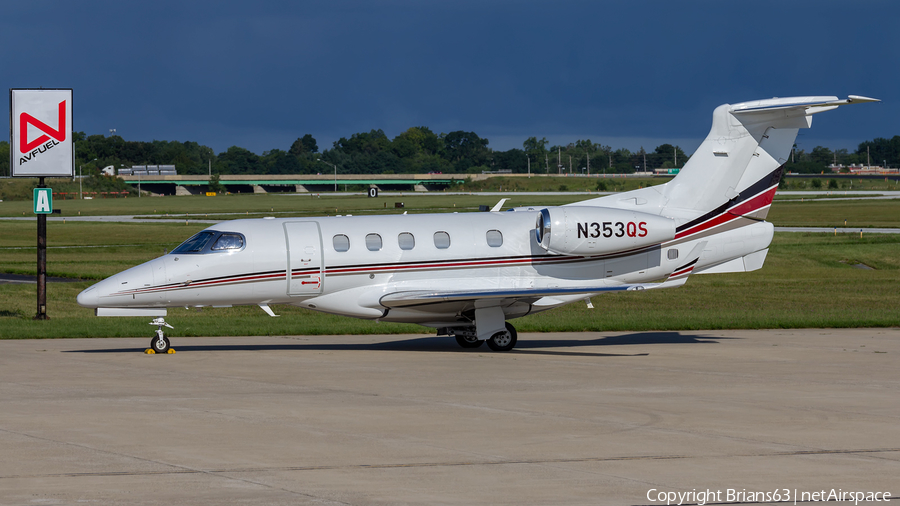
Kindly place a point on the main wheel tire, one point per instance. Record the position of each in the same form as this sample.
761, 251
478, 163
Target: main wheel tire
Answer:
504, 340
466, 342
159, 345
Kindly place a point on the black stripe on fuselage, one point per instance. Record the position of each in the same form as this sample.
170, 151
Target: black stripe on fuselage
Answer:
766, 182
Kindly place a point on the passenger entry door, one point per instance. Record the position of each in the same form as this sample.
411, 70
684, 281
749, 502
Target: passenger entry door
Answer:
304, 257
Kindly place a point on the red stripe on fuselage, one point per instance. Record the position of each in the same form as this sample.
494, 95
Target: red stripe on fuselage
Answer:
749, 206
756, 203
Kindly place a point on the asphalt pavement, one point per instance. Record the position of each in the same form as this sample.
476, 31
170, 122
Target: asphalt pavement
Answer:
577, 418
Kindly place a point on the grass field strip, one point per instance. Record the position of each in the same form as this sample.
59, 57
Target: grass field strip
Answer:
832, 199
838, 230
77, 247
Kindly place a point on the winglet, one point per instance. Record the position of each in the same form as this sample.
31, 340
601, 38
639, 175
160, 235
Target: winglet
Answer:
498, 205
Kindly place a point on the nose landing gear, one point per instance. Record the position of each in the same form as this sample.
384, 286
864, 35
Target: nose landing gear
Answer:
160, 343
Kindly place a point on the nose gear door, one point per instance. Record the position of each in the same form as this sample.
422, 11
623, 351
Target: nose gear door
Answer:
304, 258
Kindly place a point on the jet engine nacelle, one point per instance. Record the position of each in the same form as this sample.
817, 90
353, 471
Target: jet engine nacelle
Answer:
581, 230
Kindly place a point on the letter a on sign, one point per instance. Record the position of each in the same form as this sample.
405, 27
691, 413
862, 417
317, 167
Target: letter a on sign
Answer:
43, 201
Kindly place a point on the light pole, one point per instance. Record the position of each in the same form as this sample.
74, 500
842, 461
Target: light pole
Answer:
335, 171
80, 179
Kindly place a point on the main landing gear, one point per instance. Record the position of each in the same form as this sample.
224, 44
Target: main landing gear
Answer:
504, 340
160, 343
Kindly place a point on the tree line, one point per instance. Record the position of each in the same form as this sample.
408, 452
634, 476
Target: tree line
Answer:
419, 150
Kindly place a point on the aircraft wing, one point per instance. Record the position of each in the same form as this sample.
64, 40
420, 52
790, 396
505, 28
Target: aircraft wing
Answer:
412, 298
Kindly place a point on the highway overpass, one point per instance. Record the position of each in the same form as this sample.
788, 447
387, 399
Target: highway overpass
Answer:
316, 183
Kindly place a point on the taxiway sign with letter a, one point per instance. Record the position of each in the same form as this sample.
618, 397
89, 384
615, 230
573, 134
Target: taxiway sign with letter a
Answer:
43, 201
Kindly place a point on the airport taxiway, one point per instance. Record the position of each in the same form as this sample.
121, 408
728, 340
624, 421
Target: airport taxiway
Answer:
578, 418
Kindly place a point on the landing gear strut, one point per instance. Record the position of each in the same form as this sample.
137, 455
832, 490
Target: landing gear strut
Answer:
160, 343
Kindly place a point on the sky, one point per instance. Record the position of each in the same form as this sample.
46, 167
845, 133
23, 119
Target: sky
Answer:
622, 73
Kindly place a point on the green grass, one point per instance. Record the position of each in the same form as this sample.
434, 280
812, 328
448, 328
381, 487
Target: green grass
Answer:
282, 205
826, 213
541, 183
844, 183
808, 281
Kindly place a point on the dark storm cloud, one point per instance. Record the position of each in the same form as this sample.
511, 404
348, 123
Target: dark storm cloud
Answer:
261, 74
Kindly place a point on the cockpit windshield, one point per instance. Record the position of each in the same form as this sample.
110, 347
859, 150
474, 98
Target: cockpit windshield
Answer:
211, 241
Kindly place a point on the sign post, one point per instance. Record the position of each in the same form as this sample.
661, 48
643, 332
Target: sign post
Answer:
43, 205
40, 142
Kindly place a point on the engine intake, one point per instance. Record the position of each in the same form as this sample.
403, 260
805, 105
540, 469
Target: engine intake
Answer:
586, 231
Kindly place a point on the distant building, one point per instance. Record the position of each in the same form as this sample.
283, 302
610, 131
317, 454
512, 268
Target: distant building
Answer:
861, 169
148, 170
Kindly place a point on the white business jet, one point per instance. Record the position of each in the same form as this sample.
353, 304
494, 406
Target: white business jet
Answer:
467, 274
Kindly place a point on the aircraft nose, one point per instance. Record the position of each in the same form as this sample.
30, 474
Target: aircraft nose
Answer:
89, 297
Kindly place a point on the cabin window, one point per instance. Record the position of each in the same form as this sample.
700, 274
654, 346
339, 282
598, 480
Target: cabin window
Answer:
494, 238
406, 241
373, 242
441, 240
228, 242
672, 254
341, 242
195, 244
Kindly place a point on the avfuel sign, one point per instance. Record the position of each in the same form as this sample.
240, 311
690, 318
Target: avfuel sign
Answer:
41, 146
40, 128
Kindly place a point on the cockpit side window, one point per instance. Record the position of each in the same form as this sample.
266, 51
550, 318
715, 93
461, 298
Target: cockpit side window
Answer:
228, 241
220, 241
195, 244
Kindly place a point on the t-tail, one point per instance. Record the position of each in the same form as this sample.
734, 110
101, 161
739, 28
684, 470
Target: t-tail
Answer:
729, 182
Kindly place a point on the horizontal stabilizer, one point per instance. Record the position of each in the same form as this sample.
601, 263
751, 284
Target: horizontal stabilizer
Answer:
804, 105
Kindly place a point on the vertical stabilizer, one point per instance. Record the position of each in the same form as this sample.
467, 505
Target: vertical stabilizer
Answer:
737, 167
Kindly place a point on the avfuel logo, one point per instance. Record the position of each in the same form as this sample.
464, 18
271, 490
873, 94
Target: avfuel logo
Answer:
58, 134
41, 132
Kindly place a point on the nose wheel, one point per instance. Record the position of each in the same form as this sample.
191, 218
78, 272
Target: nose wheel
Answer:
160, 343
